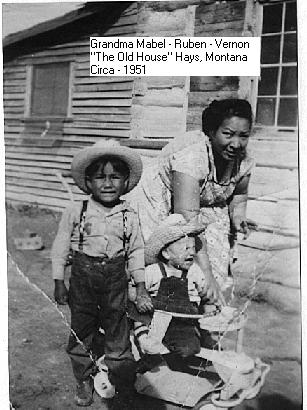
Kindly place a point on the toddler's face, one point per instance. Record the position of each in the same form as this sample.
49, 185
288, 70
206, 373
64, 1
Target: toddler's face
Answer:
107, 185
181, 253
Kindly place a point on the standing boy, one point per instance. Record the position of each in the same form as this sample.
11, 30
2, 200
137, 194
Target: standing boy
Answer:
105, 238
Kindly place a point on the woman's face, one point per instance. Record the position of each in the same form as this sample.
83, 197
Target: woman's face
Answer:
231, 138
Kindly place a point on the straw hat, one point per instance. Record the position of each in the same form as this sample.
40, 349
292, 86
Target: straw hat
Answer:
112, 148
170, 230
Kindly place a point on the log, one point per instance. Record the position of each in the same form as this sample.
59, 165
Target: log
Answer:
88, 88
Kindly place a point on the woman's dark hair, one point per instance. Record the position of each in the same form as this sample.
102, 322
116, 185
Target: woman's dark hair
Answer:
218, 111
119, 166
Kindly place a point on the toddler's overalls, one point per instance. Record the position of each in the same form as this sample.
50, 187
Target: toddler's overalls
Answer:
173, 294
181, 337
98, 299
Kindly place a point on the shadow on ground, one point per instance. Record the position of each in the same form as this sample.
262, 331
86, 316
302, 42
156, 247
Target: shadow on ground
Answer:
272, 402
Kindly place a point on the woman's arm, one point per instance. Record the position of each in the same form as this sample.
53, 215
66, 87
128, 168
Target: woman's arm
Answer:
186, 196
237, 207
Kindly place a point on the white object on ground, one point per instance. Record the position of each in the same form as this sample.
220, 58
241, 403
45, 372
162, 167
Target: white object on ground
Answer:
102, 384
231, 360
241, 386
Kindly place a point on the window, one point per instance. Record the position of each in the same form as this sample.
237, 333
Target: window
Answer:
50, 90
277, 88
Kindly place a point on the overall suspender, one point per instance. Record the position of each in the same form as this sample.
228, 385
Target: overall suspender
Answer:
81, 226
82, 223
125, 236
162, 269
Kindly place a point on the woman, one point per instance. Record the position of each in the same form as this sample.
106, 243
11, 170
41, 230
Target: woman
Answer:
203, 175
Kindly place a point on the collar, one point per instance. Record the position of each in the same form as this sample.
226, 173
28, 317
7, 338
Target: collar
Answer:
122, 206
172, 271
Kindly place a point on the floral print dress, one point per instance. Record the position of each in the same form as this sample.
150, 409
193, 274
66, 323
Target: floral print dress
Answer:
192, 155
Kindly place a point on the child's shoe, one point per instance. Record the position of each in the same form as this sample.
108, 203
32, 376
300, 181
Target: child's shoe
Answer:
84, 393
102, 385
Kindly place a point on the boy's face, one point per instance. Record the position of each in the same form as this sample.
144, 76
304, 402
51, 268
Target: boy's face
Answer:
107, 185
180, 254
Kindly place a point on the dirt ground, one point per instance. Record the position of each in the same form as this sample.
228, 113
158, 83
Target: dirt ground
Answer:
40, 373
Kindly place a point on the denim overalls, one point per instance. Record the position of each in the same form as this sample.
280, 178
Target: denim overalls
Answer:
98, 300
181, 336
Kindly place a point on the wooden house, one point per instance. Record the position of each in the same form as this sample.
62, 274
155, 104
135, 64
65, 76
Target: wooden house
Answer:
53, 107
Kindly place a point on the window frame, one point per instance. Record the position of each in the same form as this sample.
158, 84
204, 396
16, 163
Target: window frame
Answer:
29, 89
280, 64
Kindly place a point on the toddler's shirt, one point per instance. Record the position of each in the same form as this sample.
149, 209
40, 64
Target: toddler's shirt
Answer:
196, 281
103, 236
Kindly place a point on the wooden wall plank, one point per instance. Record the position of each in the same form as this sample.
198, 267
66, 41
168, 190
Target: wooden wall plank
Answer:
101, 87
101, 80
101, 125
41, 150
201, 84
106, 102
13, 89
165, 82
100, 110
277, 215
46, 201
99, 132
105, 118
102, 94
207, 14
40, 158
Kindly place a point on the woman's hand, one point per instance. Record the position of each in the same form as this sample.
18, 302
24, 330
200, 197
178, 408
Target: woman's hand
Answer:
239, 224
60, 292
211, 290
143, 301
242, 225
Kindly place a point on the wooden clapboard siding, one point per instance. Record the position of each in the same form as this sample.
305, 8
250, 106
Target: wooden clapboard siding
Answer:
218, 19
100, 108
273, 183
161, 23
159, 103
14, 83
274, 154
281, 215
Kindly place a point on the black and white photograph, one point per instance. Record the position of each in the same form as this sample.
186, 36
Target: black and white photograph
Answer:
152, 222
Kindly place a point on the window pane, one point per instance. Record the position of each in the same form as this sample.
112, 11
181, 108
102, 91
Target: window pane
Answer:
42, 102
61, 75
60, 101
60, 92
266, 111
50, 89
291, 17
43, 77
268, 82
270, 49
289, 51
272, 16
288, 81
287, 115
